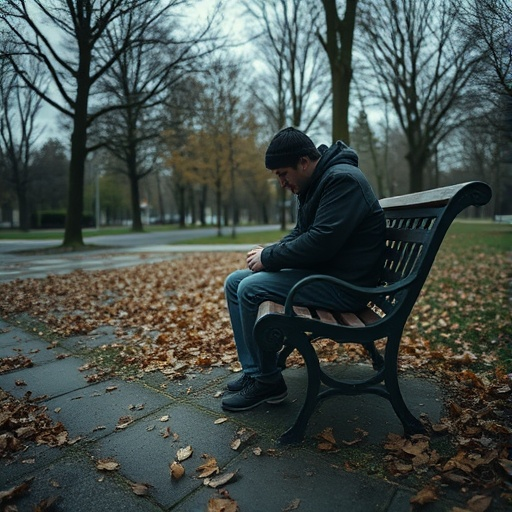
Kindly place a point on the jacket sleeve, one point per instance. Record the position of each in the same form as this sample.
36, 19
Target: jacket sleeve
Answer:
341, 208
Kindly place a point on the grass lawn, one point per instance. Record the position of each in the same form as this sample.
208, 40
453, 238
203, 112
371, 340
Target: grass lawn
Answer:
50, 234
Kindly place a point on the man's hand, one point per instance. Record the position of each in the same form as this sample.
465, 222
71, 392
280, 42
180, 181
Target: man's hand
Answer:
254, 259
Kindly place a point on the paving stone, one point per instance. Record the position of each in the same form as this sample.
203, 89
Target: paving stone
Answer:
80, 487
194, 381
26, 462
52, 379
145, 455
35, 349
297, 478
95, 411
97, 338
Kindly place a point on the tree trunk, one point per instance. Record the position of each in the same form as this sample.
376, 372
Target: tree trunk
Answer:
338, 46
416, 167
24, 207
135, 198
73, 230
218, 196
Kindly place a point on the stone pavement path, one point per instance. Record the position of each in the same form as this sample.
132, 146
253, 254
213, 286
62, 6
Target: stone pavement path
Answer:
295, 478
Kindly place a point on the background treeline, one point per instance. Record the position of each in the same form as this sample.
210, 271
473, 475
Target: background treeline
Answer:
144, 111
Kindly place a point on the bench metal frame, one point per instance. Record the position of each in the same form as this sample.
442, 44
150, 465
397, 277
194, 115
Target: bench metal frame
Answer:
415, 228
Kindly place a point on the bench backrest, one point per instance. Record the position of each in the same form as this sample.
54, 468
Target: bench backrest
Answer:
415, 227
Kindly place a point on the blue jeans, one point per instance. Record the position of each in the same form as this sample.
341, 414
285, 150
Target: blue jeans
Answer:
246, 290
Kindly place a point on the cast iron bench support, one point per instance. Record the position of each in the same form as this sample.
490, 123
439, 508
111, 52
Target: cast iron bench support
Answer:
415, 227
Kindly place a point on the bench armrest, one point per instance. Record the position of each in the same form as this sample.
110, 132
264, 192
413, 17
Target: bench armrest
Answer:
362, 291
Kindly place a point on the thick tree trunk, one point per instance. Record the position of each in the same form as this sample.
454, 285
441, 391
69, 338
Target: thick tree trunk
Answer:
24, 207
135, 197
338, 46
73, 229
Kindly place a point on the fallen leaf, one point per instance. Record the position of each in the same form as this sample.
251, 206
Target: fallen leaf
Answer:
184, 453
425, 495
293, 505
140, 489
107, 465
479, 503
218, 421
219, 480
209, 468
222, 505
236, 443
123, 422
45, 504
176, 470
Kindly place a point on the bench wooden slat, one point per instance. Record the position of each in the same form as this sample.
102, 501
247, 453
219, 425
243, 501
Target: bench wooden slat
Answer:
269, 307
368, 316
300, 311
326, 316
349, 319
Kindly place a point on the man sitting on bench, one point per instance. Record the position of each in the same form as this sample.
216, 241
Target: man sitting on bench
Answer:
340, 232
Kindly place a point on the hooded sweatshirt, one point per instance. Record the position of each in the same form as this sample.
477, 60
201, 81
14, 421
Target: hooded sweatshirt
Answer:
340, 228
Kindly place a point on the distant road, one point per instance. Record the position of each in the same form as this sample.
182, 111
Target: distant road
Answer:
131, 239
114, 251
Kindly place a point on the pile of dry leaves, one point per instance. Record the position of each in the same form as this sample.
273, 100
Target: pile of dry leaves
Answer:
171, 317
23, 421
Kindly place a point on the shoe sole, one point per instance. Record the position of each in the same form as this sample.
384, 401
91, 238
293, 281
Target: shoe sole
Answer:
272, 400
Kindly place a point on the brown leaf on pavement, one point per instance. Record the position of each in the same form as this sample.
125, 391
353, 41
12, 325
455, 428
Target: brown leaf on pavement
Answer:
209, 468
293, 505
176, 470
479, 503
424, 496
222, 505
140, 489
107, 465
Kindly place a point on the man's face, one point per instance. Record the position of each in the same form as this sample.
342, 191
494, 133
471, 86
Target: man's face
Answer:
296, 178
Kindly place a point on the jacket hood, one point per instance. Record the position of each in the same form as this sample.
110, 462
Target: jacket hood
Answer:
338, 153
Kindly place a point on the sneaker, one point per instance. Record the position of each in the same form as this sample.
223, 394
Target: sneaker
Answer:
240, 383
255, 393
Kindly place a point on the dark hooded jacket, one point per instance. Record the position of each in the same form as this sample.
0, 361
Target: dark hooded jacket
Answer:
340, 225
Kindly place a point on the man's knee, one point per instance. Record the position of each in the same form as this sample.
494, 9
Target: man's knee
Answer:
234, 279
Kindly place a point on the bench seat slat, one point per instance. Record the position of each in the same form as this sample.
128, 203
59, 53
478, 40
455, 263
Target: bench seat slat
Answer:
326, 316
349, 319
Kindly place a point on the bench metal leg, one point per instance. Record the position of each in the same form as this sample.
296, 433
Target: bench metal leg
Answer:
410, 423
295, 434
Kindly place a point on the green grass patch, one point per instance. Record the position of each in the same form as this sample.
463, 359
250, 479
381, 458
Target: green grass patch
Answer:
260, 237
465, 303
13, 234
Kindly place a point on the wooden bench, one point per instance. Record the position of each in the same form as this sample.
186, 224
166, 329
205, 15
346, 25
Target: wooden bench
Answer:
415, 227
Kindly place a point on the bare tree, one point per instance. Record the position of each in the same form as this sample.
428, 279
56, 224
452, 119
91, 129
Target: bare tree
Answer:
19, 107
337, 42
142, 79
291, 89
77, 56
488, 25
422, 68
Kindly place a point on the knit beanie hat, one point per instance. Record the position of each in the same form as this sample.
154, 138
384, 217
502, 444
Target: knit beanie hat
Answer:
287, 146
